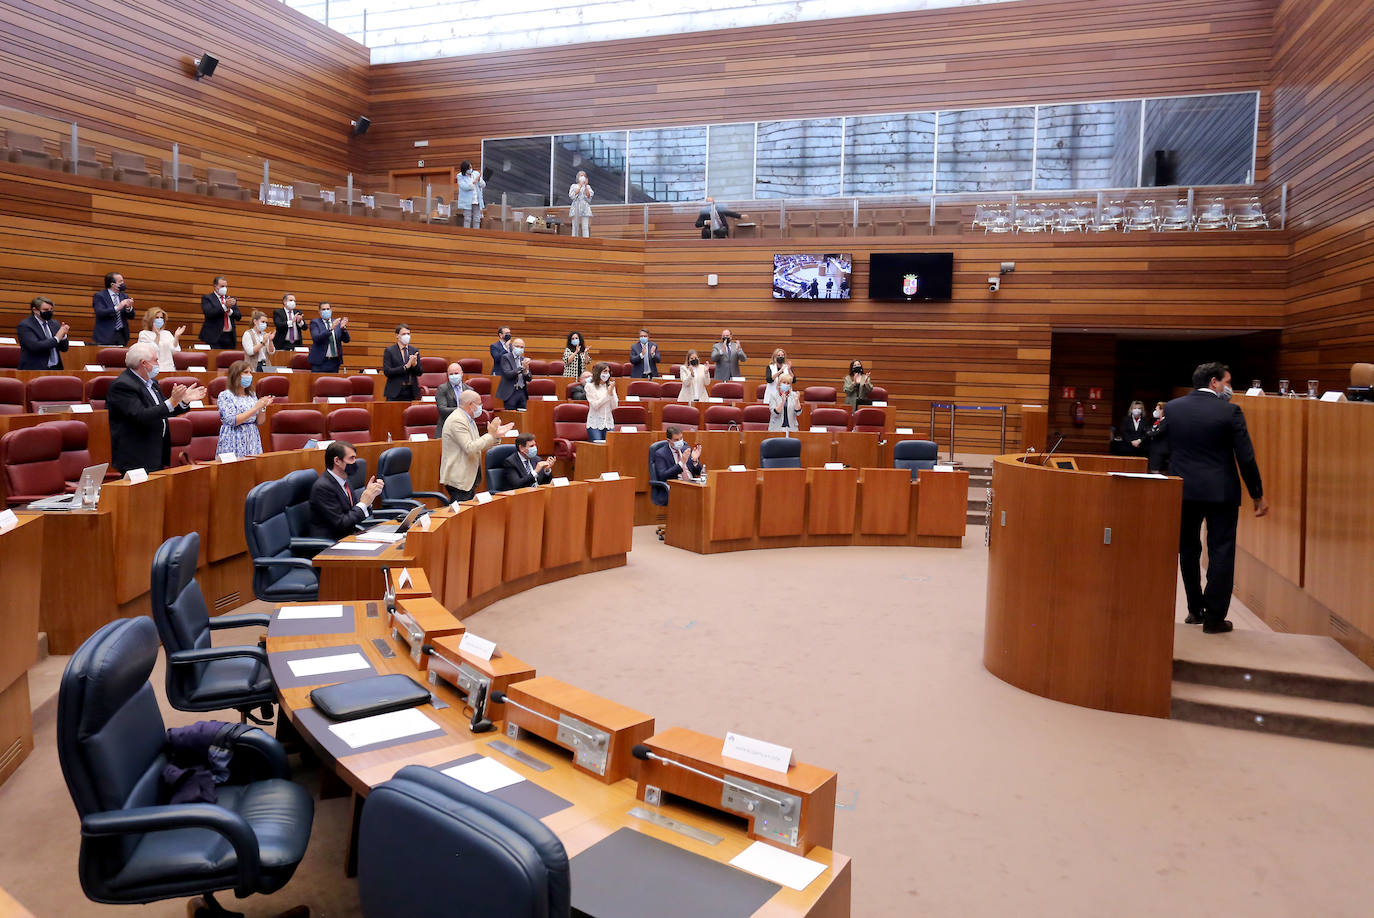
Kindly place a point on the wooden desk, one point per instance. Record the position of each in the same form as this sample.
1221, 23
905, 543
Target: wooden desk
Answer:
74, 602
21, 557
347, 575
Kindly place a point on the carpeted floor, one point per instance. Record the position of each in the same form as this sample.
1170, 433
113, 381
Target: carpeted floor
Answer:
959, 795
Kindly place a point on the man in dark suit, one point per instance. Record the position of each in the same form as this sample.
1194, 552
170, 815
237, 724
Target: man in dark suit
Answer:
1207, 440
671, 458
514, 370
328, 335
42, 339
711, 221
139, 434
401, 367
644, 356
221, 315
446, 397
500, 346
524, 468
290, 325
334, 513
114, 310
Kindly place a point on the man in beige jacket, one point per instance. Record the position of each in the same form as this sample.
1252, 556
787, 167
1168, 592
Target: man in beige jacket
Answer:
461, 456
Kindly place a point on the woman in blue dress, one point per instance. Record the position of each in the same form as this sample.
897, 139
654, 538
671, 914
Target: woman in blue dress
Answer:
240, 413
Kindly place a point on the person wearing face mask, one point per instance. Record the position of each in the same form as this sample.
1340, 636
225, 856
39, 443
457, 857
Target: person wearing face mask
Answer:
221, 316
138, 411
580, 211
334, 513
514, 370
778, 365
695, 379
446, 396
1157, 442
257, 343
42, 339
1134, 431
577, 392
401, 366
468, 203
156, 333
644, 357
241, 413
601, 402
727, 354
1207, 441
784, 408
672, 458
500, 346
460, 457
328, 335
576, 355
524, 468
289, 324
114, 311
858, 385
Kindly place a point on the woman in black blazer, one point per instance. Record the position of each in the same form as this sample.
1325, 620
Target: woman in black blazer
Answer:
1135, 431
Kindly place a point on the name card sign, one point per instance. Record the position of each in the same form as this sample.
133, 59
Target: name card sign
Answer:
482, 497
285, 370
427, 398
199, 404
82, 408
738, 468
456, 507
477, 646
419, 436
228, 457
8, 520
549, 398
629, 428
423, 523
335, 399
510, 434
1254, 390
667, 376
904, 430
323, 444
834, 466
8, 340
403, 580
610, 476
736, 379
369, 372
1333, 396
202, 347
879, 404
560, 482
715, 399
299, 350
942, 468
136, 476
71, 343
815, 429
94, 368
632, 398
757, 752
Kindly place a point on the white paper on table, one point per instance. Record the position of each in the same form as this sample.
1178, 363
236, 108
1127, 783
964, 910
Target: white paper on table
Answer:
379, 728
484, 774
335, 663
83, 408
288, 613
778, 866
387, 537
352, 546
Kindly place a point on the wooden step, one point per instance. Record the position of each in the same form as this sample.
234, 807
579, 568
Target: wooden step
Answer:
1262, 712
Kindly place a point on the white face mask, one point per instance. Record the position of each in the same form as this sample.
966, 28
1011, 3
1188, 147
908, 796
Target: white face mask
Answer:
324, 314
784, 387
455, 379
223, 290
476, 414
290, 304
158, 323
605, 377
405, 339
1136, 412
1226, 393
1158, 414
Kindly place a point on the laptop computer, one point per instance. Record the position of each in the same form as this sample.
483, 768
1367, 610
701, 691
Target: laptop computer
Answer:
92, 477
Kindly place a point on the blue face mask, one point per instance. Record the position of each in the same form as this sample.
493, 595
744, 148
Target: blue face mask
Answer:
324, 314
679, 445
152, 374
532, 451
246, 381
643, 340
784, 387
158, 323
455, 380
518, 351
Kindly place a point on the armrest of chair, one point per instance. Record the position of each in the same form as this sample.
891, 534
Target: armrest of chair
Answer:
283, 562
443, 499
206, 654
242, 620
265, 748
383, 513
311, 545
400, 503
138, 820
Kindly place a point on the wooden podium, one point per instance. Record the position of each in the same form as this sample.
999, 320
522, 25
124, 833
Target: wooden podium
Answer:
1082, 573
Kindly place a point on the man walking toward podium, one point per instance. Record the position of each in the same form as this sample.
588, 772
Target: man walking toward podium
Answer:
1208, 439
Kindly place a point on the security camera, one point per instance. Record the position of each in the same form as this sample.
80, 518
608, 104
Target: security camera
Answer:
994, 284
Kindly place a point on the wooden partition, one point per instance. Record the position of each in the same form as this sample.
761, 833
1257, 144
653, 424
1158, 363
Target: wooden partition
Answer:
21, 556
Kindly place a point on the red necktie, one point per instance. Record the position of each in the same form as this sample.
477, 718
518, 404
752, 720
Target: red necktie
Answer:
222, 305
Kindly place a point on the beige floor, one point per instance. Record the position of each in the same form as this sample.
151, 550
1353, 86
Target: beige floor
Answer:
960, 796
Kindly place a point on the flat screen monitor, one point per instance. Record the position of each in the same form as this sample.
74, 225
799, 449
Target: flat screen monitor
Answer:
811, 277
911, 276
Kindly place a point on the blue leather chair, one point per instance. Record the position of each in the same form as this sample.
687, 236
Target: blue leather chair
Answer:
512, 865
658, 488
201, 677
296, 487
915, 455
279, 573
111, 746
495, 461
780, 453
393, 467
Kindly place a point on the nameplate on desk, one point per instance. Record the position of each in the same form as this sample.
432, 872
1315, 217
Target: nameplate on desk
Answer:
423, 523
199, 404
482, 497
202, 347
302, 350
715, 399
904, 430
13, 341
736, 379
335, 399
1254, 390
477, 646
610, 476
632, 398
737, 468
369, 372
403, 579
942, 468
510, 434
228, 457
549, 398
664, 376
834, 466
136, 476
71, 343
878, 404
8, 520
1333, 396
560, 482
419, 436
629, 428
82, 408
814, 429
94, 368
456, 506
757, 752
285, 370
427, 398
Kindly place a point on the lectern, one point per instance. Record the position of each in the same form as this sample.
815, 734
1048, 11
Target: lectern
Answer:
1082, 573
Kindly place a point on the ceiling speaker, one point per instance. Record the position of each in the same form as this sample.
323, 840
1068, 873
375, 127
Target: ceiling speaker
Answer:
206, 64
360, 125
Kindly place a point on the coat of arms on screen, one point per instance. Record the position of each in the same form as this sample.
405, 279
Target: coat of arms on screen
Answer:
909, 284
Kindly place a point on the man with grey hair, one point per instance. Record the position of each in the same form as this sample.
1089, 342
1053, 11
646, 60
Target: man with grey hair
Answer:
139, 435
460, 457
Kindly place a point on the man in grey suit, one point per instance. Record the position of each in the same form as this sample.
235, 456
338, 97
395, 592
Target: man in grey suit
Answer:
727, 354
446, 397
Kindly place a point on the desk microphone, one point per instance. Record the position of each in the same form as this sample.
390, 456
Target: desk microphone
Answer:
479, 722
501, 697
1046, 458
644, 754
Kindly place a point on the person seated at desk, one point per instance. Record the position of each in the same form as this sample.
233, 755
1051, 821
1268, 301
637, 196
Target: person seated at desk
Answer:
524, 468
460, 457
784, 406
577, 392
601, 402
333, 512
672, 458
446, 396
41, 337
139, 435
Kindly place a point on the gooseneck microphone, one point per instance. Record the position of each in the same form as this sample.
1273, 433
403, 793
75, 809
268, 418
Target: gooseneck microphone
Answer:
644, 754
501, 697
1046, 458
479, 722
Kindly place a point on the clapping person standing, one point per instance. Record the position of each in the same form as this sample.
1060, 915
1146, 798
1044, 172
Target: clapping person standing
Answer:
514, 370
644, 356
580, 212
114, 310
42, 339
858, 386
167, 342
695, 379
727, 354
401, 366
138, 412
446, 396
257, 343
576, 355
601, 402
784, 408
778, 366
289, 323
241, 412
328, 335
469, 192
221, 313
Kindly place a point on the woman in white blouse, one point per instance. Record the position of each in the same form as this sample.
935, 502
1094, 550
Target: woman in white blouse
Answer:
695, 378
257, 343
777, 367
155, 333
601, 402
580, 211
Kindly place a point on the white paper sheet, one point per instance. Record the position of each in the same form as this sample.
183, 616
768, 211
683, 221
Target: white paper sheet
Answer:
319, 611
791, 870
336, 663
352, 546
380, 728
484, 774
387, 537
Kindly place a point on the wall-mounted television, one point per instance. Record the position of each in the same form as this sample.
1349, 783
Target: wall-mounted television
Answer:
911, 276
811, 277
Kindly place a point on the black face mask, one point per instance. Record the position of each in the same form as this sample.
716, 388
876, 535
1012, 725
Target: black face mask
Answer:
350, 468
856, 369
505, 336
46, 314
778, 360
123, 287
695, 361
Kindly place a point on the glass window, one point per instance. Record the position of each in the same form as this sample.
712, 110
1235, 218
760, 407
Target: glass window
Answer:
985, 149
1092, 145
668, 165
730, 162
889, 154
1199, 140
519, 169
798, 159
601, 156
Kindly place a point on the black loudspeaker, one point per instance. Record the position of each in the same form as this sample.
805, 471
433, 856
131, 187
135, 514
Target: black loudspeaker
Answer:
206, 64
360, 125
1166, 168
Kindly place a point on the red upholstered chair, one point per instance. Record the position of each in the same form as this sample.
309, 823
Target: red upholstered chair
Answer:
879, 394
364, 390
421, 417
204, 443
644, 388
755, 417
868, 420
327, 387
111, 358
225, 359
684, 416
31, 459
834, 420
9, 357
819, 394
556, 368
479, 384
674, 370
76, 450
433, 365
299, 362
290, 429
630, 416
44, 391
165, 383
353, 425
539, 368
217, 385
276, 386
537, 388
12, 395
430, 382
671, 389
730, 391
569, 427
720, 417
469, 365
181, 432
191, 360
758, 393
620, 369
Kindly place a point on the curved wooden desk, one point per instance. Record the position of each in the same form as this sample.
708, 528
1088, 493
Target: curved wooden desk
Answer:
1082, 572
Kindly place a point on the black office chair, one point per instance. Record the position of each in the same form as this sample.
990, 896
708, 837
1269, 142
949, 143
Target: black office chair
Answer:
393, 467
915, 455
296, 488
201, 677
495, 463
658, 488
134, 848
511, 864
279, 574
780, 453
357, 483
